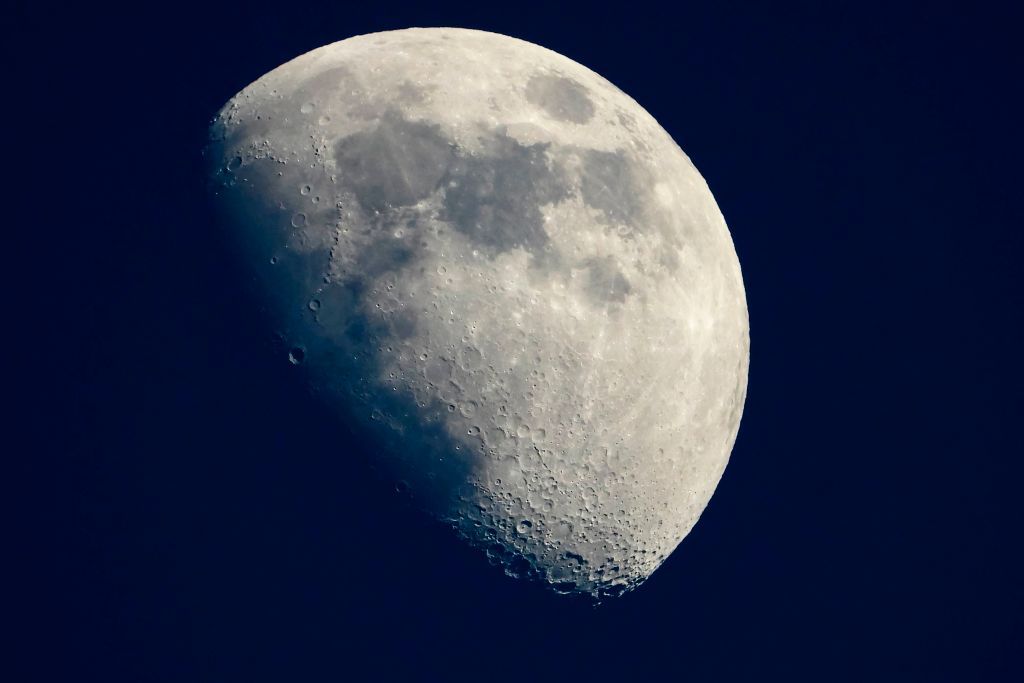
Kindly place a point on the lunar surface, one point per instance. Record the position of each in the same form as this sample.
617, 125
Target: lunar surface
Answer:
502, 271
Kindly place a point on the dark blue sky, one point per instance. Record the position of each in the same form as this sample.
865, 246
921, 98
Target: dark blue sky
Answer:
187, 515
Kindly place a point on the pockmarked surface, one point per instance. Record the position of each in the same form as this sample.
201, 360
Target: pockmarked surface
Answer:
506, 274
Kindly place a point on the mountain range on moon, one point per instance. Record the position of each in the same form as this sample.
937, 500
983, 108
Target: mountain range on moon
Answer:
499, 267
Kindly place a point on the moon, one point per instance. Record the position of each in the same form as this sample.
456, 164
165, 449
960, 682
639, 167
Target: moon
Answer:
502, 271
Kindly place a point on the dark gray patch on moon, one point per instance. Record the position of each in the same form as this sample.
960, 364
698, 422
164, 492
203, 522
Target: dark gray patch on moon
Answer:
335, 79
410, 93
495, 198
605, 282
560, 97
627, 120
383, 255
608, 182
397, 163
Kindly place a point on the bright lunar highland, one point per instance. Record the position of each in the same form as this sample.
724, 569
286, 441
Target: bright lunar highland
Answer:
506, 275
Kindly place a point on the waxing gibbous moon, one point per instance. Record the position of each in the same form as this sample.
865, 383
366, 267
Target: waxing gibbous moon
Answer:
501, 270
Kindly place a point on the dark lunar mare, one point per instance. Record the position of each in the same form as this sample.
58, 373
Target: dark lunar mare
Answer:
609, 182
494, 198
396, 163
605, 282
560, 97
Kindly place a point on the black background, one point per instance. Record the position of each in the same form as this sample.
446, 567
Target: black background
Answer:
185, 513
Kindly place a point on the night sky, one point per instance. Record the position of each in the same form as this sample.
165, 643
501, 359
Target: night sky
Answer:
184, 511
